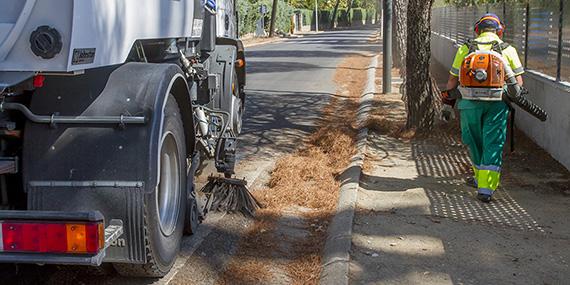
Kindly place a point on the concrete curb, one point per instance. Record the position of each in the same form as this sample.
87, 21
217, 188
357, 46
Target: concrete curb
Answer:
247, 44
336, 256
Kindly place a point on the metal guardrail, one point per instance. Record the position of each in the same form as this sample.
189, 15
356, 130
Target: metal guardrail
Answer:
540, 30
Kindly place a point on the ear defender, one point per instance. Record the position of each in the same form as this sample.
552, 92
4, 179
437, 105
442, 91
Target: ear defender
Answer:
501, 31
501, 28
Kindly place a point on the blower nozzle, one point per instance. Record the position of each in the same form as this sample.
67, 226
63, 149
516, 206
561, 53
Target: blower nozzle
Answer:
517, 94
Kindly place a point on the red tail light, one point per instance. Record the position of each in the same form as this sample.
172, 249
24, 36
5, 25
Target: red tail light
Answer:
46, 237
38, 81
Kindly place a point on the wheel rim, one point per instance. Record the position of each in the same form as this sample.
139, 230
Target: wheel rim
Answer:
168, 192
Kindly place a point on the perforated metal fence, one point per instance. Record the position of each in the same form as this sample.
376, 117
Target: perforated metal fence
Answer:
539, 29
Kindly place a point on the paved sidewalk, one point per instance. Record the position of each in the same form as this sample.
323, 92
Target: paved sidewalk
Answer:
417, 223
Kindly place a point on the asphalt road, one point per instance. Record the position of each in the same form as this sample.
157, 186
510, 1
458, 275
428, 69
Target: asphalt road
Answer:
288, 83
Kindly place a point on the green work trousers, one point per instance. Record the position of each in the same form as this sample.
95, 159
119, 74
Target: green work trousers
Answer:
484, 130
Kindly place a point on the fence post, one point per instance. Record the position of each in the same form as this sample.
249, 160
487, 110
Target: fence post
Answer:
527, 30
444, 22
447, 25
504, 13
476, 17
560, 43
451, 23
456, 23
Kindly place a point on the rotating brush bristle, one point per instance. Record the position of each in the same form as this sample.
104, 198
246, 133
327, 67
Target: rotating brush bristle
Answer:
229, 195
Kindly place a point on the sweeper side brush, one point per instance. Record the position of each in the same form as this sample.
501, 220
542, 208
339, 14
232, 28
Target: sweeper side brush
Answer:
229, 195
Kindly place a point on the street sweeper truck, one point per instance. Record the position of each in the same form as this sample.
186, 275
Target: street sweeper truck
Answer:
107, 111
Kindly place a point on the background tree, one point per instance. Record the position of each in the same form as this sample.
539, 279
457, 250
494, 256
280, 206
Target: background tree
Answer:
422, 94
274, 8
400, 19
335, 11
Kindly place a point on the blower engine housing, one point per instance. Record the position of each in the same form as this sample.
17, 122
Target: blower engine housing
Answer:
482, 71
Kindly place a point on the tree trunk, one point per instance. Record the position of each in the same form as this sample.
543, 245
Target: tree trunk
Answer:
422, 93
378, 11
400, 10
348, 8
400, 15
335, 11
273, 16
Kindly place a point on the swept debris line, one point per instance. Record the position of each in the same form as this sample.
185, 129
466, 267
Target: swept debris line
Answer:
285, 244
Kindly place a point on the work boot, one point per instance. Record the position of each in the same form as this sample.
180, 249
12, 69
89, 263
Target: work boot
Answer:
471, 182
485, 198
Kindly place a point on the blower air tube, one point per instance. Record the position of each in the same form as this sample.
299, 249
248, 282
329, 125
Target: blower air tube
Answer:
516, 93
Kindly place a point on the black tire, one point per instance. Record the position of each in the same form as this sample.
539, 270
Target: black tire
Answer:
162, 240
192, 217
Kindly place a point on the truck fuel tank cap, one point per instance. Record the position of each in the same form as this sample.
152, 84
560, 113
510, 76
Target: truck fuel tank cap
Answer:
46, 42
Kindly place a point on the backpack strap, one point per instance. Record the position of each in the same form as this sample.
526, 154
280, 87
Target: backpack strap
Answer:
502, 47
473, 46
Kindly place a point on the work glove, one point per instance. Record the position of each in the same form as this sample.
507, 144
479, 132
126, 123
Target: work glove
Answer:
449, 97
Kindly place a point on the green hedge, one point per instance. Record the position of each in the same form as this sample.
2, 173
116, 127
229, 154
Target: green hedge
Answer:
284, 23
248, 15
308, 16
325, 18
358, 16
370, 16
283, 17
343, 18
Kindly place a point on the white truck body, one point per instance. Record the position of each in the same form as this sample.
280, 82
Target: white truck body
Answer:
102, 31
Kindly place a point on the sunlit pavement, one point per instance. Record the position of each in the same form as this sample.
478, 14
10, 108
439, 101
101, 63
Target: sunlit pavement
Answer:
418, 223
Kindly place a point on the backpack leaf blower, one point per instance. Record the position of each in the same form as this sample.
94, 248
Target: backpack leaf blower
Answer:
482, 78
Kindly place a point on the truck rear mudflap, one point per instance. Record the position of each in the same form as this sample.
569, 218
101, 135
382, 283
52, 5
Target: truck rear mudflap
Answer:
48, 237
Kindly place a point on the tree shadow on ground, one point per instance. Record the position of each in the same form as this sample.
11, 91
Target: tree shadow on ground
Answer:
429, 228
441, 165
280, 129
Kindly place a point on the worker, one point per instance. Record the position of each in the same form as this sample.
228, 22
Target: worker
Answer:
483, 122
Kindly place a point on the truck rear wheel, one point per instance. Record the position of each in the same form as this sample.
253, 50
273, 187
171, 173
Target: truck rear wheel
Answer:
165, 207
